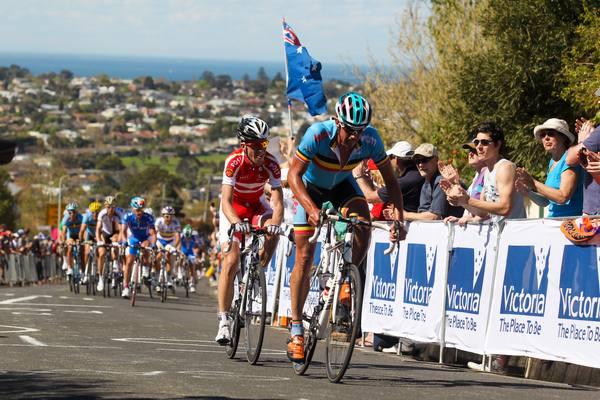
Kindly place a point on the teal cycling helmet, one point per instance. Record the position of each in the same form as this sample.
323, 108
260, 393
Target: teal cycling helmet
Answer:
353, 110
137, 202
72, 206
187, 231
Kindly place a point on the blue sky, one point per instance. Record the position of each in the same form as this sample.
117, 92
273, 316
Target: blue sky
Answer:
333, 31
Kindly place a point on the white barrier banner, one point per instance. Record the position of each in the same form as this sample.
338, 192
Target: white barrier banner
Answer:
547, 296
409, 284
285, 299
380, 313
469, 286
272, 273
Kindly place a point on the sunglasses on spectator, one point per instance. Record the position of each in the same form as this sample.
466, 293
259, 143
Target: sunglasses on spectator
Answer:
484, 142
422, 160
262, 145
543, 134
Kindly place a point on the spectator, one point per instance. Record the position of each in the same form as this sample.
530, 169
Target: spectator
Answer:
433, 204
499, 199
564, 184
409, 180
474, 190
587, 153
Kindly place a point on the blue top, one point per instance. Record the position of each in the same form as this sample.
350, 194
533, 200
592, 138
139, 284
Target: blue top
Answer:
73, 226
573, 206
138, 228
90, 222
319, 146
188, 244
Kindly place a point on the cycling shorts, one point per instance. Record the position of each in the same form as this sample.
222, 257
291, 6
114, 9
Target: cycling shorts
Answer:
133, 241
340, 195
164, 242
256, 213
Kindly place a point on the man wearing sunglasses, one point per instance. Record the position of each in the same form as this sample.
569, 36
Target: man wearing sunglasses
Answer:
71, 225
106, 232
243, 204
321, 171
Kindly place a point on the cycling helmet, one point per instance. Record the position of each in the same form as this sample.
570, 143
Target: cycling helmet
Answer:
353, 110
168, 210
95, 206
137, 202
187, 231
148, 210
109, 201
72, 206
252, 128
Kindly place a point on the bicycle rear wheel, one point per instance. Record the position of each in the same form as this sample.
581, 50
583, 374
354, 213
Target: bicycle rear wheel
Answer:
344, 325
134, 282
255, 313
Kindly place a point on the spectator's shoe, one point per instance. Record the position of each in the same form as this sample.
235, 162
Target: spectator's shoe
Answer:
84, 280
65, 266
125, 293
100, 286
391, 350
223, 335
158, 289
192, 287
475, 366
69, 271
295, 349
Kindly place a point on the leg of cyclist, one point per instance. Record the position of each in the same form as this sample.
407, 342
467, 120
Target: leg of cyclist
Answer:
86, 253
358, 206
131, 253
225, 290
270, 244
69, 256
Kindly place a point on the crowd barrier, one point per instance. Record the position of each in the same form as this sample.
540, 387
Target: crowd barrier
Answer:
523, 291
23, 269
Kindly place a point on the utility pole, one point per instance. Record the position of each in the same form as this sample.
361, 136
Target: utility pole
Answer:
207, 197
59, 213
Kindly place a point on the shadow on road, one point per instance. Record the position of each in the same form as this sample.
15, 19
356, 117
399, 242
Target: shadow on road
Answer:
41, 385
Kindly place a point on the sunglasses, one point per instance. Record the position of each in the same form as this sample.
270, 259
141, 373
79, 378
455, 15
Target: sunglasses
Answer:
543, 134
484, 142
262, 145
353, 131
422, 160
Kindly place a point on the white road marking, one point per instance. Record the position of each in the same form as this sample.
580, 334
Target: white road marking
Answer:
29, 313
60, 346
236, 375
19, 329
85, 312
32, 341
88, 299
8, 294
66, 305
153, 373
63, 297
22, 299
263, 352
25, 309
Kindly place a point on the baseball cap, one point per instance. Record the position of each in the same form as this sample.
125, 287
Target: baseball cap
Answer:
425, 150
400, 149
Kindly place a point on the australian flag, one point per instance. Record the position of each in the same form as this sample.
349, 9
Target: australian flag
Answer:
304, 81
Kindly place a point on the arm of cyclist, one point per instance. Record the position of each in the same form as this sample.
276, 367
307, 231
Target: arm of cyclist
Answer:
228, 210
152, 239
277, 203
82, 232
297, 169
391, 183
123, 233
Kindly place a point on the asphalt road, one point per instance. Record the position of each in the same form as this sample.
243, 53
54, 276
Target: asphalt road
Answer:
54, 344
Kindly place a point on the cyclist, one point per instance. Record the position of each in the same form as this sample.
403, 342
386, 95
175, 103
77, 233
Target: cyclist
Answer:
87, 232
167, 231
321, 171
190, 246
69, 234
106, 232
137, 228
246, 172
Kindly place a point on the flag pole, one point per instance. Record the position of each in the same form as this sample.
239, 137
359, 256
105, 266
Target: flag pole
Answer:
287, 78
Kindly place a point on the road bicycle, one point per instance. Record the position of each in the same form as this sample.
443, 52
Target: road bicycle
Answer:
75, 276
109, 276
249, 307
184, 267
136, 271
89, 274
161, 279
336, 316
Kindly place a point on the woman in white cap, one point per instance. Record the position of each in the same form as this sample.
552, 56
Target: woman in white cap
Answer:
563, 188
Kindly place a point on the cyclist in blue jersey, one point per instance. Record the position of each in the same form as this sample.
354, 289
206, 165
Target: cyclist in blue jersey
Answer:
137, 228
87, 232
69, 234
321, 171
190, 246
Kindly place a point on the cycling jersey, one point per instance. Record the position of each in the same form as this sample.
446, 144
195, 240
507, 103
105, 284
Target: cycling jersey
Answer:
108, 225
319, 146
138, 228
73, 225
248, 180
165, 233
188, 244
90, 229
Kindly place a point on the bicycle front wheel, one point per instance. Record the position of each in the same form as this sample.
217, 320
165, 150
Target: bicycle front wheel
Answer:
344, 324
255, 313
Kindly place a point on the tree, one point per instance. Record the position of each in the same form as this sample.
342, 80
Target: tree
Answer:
148, 83
209, 78
110, 162
7, 201
221, 129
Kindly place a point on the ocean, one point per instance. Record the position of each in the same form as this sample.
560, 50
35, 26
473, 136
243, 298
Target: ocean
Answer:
176, 69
